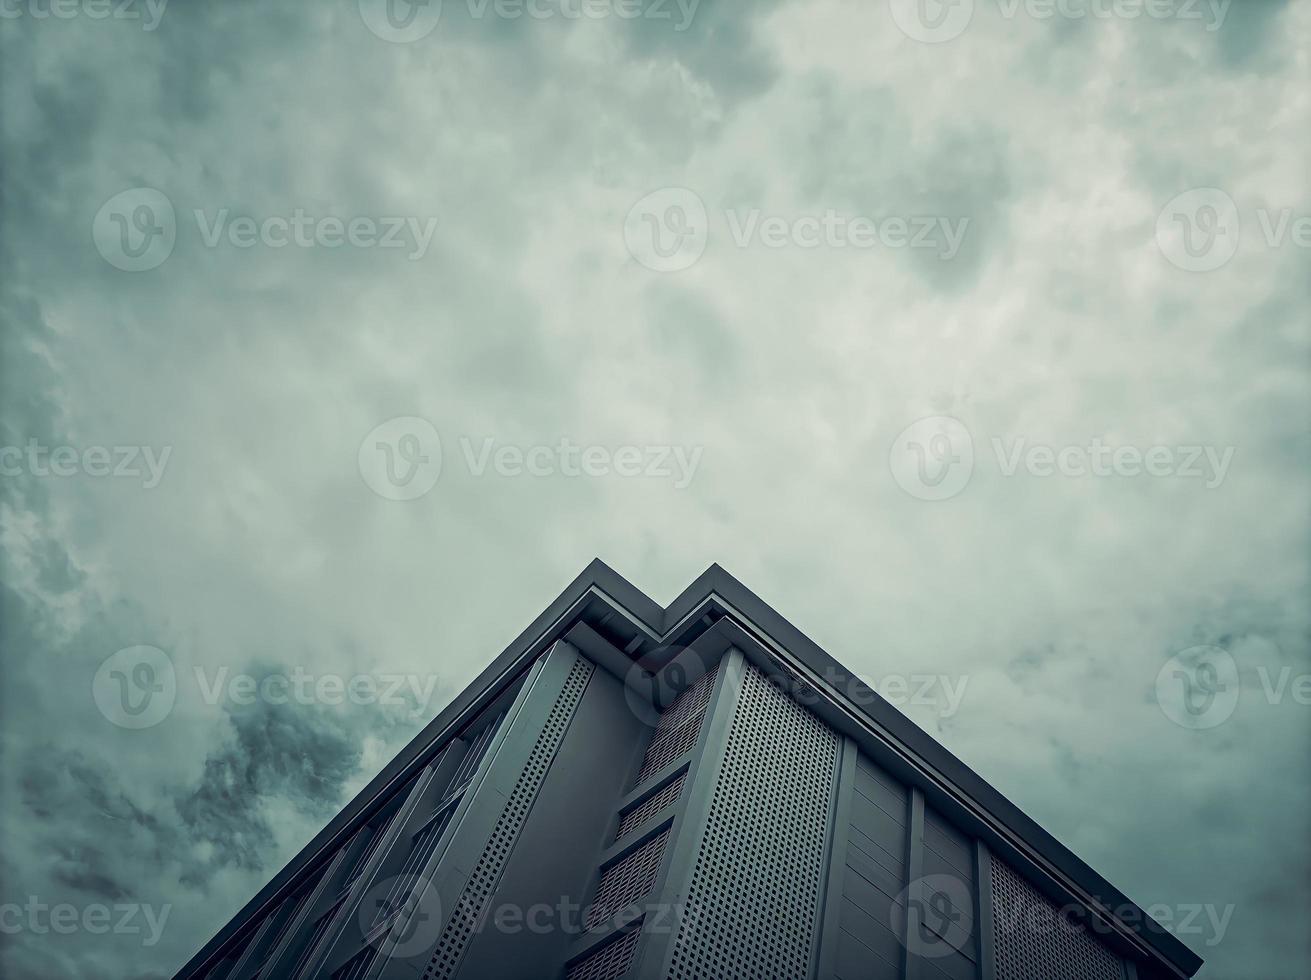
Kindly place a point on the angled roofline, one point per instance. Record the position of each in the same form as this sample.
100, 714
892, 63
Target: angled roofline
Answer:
987, 811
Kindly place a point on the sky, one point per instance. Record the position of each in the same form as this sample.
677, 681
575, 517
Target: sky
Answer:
338, 338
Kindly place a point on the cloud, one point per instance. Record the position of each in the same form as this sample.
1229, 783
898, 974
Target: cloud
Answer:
529, 319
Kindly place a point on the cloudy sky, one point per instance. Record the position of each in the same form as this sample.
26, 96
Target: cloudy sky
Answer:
338, 339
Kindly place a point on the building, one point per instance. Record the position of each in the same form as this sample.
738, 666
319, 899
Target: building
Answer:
691, 792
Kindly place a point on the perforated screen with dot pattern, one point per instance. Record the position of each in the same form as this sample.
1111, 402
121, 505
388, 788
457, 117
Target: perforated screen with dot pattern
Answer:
610, 961
650, 806
486, 874
677, 728
627, 880
1033, 941
752, 901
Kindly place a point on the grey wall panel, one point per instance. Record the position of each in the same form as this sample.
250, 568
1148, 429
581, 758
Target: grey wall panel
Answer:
753, 901
1033, 941
558, 848
872, 870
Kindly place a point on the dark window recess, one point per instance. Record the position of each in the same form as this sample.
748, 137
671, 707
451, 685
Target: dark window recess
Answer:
316, 938
477, 749
357, 966
422, 846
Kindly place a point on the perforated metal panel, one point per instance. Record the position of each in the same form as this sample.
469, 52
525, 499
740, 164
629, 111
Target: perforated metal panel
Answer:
627, 880
752, 902
486, 874
650, 806
1033, 941
610, 961
677, 728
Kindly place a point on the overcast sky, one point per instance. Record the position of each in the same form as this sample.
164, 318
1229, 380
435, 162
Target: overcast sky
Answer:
667, 285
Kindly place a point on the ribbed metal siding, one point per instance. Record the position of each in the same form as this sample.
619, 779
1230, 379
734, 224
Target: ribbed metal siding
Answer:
870, 942
752, 902
1033, 941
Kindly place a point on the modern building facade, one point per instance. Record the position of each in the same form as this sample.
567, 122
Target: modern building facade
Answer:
691, 792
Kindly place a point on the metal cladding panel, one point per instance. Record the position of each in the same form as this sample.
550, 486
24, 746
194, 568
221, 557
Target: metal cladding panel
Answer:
945, 940
1033, 941
872, 915
610, 961
649, 807
678, 727
627, 880
460, 928
752, 902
